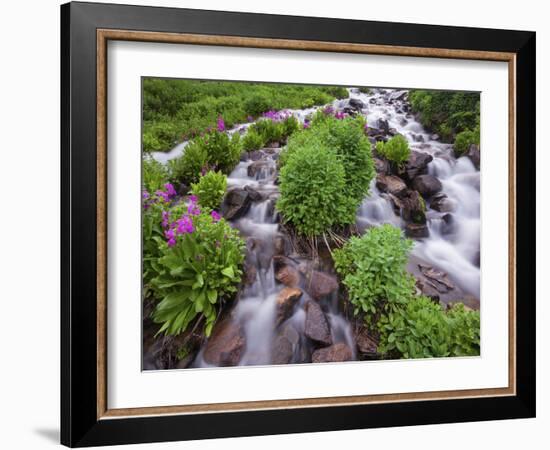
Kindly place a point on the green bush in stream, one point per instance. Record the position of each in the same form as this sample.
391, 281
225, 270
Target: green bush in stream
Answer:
252, 140
422, 329
210, 189
396, 150
373, 270
153, 175
346, 138
464, 140
215, 150
200, 267
312, 186
269, 130
183, 109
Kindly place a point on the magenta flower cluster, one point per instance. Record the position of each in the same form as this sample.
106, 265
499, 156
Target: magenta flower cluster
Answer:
277, 116
221, 124
165, 195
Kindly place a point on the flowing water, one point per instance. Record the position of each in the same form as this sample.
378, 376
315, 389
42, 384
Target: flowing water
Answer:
453, 248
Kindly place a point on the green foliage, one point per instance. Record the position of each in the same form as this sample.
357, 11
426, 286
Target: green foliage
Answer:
187, 167
372, 268
365, 90
201, 270
210, 189
395, 150
464, 139
154, 174
290, 126
215, 150
182, 109
346, 138
269, 130
252, 140
422, 329
312, 189
446, 112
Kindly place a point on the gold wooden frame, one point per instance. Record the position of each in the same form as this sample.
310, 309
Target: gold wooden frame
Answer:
103, 36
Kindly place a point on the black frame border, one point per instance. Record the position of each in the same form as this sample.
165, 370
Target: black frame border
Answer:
79, 423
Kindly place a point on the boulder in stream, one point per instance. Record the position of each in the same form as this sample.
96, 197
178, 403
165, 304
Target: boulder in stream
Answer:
317, 327
417, 165
226, 344
356, 104
286, 300
410, 206
320, 284
474, 155
335, 353
366, 345
427, 185
417, 230
440, 202
391, 184
284, 345
288, 275
235, 203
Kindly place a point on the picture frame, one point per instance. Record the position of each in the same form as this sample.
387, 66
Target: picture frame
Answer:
86, 29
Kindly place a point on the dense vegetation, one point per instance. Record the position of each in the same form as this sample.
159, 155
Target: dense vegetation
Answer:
382, 292
176, 110
325, 173
193, 258
452, 115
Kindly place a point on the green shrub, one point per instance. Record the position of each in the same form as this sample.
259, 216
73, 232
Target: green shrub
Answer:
396, 150
290, 126
252, 140
269, 130
153, 175
422, 329
257, 104
312, 185
210, 189
215, 150
200, 267
372, 268
346, 138
463, 141
187, 167
365, 90
445, 112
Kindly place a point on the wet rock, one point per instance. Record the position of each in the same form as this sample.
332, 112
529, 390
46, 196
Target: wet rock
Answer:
286, 300
382, 166
417, 164
316, 326
417, 230
356, 104
439, 279
448, 224
427, 185
392, 131
254, 155
384, 126
259, 169
335, 353
434, 137
391, 185
320, 284
226, 344
373, 131
284, 345
413, 208
366, 345
350, 111
250, 274
288, 275
440, 202
235, 204
398, 95
253, 194
418, 138
281, 245
473, 154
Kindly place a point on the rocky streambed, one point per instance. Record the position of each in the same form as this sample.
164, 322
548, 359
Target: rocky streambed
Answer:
289, 308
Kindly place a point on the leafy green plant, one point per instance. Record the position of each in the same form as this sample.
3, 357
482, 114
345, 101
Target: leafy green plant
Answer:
210, 189
290, 126
312, 189
187, 167
215, 150
200, 267
252, 140
270, 130
154, 174
422, 329
346, 138
372, 268
396, 150
464, 140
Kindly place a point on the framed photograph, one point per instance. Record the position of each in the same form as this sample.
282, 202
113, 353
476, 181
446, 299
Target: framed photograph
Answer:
277, 224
